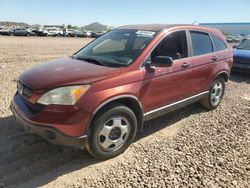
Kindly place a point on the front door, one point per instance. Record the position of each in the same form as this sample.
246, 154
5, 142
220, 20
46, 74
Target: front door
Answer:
167, 85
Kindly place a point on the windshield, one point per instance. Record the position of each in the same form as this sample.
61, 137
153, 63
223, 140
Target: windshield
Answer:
117, 48
244, 45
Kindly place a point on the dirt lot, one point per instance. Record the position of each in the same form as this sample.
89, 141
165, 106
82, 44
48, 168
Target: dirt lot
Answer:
189, 148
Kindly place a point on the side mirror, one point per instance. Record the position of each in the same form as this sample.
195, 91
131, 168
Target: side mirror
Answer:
162, 61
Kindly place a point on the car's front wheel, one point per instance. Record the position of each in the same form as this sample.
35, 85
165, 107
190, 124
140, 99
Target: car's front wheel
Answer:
112, 131
216, 94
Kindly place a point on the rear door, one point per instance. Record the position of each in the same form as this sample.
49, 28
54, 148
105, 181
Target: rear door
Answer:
203, 60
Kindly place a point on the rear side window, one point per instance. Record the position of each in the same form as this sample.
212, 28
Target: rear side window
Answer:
201, 43
218, 44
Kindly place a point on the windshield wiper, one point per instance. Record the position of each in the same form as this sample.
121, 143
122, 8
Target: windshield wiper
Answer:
89, 60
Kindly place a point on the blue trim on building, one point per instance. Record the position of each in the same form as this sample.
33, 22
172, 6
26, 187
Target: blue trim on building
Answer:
237, 28
236, 23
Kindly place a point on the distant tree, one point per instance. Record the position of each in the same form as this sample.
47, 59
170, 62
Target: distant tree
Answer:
75, 27
69, 26
225, 33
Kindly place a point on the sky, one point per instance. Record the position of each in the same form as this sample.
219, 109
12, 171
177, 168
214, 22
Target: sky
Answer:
118, 12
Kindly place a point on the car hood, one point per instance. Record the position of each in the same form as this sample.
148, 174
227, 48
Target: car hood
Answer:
241, 54
63, 72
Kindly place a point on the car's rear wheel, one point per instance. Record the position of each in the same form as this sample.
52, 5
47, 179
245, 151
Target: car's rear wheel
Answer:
216, 94
113, 131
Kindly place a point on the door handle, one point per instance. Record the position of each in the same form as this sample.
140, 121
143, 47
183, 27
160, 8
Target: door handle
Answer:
214, 58
185, 65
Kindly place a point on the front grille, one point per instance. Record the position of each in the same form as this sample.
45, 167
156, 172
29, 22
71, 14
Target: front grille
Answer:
25, 92
33, 108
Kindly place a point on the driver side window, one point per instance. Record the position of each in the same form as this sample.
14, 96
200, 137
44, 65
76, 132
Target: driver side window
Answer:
173, 45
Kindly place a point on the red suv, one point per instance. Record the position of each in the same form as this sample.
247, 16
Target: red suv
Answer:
100, 97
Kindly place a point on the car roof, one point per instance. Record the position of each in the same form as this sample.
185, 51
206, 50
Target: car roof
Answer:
160, 27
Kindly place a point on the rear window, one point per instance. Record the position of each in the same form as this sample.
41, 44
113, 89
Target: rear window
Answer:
218, 44
201, 43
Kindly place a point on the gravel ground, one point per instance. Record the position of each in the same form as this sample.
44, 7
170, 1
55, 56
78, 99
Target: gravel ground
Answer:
191, 147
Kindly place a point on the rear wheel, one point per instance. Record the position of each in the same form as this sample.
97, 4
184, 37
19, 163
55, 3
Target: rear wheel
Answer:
216, 94
113, 131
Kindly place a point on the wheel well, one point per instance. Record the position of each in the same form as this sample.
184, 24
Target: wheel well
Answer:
131, 103
223, 75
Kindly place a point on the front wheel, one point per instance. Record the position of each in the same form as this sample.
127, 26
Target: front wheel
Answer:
113, 130
216, 94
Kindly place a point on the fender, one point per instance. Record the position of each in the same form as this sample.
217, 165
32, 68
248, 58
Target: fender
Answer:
111, 100
222, 72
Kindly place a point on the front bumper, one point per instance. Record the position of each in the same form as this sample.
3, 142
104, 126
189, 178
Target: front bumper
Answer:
47, 132
241, 67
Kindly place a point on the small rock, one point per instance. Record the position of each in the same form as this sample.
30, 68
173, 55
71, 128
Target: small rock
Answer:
1, 185
234, 182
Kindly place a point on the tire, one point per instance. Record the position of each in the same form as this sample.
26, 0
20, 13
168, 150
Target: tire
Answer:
112, 131
216, 93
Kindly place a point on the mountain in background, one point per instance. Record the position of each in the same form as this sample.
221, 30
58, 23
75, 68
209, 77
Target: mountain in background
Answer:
96, 26
16, 24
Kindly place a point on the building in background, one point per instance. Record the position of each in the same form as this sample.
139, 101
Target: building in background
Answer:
55, 26
234, 29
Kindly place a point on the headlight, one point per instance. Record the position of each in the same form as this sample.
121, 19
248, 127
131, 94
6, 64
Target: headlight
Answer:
68, 95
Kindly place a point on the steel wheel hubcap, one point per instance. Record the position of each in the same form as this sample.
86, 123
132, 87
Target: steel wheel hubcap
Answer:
216, 94
114, 133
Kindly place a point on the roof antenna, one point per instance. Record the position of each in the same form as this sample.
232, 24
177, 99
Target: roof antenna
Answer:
195, 23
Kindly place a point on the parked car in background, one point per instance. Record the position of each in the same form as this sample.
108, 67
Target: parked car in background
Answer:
246, 37
97, 34
236, 39
229, 38
87, 33
40, 32
241, 55
74, 33
54, 31
22, 32
5, 31
102, 95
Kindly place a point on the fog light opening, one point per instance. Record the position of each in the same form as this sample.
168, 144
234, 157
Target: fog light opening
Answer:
50, 135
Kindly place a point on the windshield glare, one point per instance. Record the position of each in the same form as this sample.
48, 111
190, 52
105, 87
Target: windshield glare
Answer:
245, 45
117, 48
